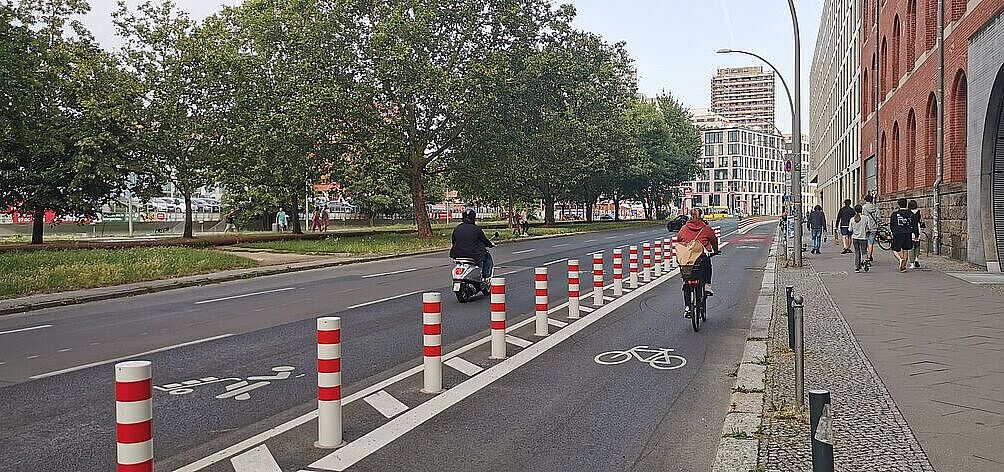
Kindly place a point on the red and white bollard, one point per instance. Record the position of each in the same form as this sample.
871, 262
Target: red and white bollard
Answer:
675, 262
329, 382
667, 255
657, 259
646, 258
573, 289
134, 416
598, 279
718, 231
618, 273
432, 342
498, 318
540, 301
633, 266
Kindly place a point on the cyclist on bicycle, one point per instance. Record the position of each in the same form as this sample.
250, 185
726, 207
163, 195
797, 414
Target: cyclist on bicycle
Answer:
697, 229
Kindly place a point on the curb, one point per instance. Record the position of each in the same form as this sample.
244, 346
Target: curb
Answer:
739, 446
12, 306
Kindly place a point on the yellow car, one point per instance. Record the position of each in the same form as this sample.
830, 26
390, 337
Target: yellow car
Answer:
716, 213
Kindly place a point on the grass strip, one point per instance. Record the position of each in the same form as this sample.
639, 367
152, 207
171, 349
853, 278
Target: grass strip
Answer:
30, 272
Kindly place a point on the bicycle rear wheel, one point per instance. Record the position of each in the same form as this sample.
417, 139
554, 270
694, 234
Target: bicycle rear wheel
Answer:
699, 298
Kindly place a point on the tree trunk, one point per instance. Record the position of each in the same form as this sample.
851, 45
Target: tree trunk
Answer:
548, 210
589, 212
188, 233
37, 225
294, 210
617, 208
418, 198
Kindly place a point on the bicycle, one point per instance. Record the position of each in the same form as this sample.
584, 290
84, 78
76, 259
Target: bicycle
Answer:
694, 295
883, 237
657, 358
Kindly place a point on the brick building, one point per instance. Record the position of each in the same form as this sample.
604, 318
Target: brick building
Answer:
899, 73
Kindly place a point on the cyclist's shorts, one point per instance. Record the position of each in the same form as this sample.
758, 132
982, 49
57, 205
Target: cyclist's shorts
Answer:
871, 238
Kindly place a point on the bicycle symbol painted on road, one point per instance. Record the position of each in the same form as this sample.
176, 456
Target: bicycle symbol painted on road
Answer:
238, 390
657, 358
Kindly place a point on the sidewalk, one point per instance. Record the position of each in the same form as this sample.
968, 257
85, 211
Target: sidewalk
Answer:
913, 362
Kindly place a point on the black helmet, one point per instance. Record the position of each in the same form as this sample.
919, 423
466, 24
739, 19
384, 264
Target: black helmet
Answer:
469, 215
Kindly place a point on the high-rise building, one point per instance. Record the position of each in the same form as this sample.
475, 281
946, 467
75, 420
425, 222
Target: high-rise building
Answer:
955, 172
745, 97
835, 107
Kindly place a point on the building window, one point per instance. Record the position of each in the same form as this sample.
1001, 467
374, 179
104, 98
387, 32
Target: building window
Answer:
911, 149
883, 156
957, 125
723, 162
895, 52
911, 34
931, 137
721, 174
883, 69
709, 150
893, 168
733, 137
930, 23
713, 137
703, 187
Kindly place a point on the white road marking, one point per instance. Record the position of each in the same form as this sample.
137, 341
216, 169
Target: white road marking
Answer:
32, 356
374, 302
523, 251
464, 366
609, 299
555, 261
245, 295
312, 415
258, 459
65, 349
390, 273
132, 356
586, 309
589, 241
562, 245
386, 404
611, 237
557, 323
508, 273
369, 443
517, 341
26, 329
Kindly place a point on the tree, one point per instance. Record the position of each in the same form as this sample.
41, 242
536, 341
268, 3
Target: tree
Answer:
163, 50
376, 186
68, 131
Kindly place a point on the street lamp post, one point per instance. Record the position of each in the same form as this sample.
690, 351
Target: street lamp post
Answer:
796, 131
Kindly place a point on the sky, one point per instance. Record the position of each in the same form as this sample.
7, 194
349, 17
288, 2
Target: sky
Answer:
672, 41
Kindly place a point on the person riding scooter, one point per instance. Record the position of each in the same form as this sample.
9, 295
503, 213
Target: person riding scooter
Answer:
470, 242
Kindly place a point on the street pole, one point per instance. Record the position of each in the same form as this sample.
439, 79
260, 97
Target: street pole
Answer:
796, 136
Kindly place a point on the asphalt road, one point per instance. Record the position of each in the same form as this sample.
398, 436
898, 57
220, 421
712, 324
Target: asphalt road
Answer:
66, 421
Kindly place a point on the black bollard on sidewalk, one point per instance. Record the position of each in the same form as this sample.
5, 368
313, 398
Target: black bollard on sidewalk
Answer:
790, 298
821, 430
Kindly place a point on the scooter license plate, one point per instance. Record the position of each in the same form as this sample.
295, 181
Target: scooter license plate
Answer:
456, 286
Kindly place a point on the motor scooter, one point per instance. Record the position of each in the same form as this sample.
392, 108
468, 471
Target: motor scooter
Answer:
468, 280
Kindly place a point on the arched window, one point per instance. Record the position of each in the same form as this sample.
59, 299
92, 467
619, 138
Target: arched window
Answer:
865, 91
930, 24
883, 68
911, 150
957, 125
893, 166
958, 9
911, 34
895, 52
931, 139
865, 11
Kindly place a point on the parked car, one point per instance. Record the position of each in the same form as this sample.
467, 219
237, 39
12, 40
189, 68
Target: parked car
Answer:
205, 205
606, 217
165, 204
677, 223
342, 207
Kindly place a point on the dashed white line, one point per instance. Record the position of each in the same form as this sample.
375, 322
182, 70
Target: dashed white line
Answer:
32, 328
517, 341
132, 356
386, 404
586, 309
589, 241
245, 295
523, 251
464, 366
65, 349
556, 323
374, 302
555, 261
562, 245
390, 273
32, 357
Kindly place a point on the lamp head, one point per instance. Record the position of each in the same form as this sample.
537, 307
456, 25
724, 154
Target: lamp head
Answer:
723, 51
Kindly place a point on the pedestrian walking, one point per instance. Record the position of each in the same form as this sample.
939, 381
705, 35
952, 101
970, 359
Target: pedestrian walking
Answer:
919, 225
844, 217
861, 225
315, 220
524, 224
871, 209
817, 224
280, 220
325, 220
231, 223
904, 231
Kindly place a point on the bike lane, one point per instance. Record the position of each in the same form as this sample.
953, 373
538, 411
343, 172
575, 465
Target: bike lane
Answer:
565, 411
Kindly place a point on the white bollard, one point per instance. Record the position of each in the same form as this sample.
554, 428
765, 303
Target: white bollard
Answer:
646, 259
657, 259
540, 301
134, 416
667, 255
718, 231
598, 279
633, 266
676, 263
573, 289
498, 318
329, 382
618, 273
432, 341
